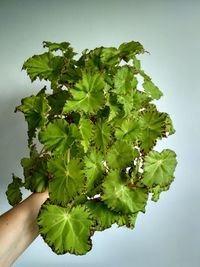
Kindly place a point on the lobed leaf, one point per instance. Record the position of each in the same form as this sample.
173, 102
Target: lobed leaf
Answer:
128, 130
159, 168
151, 128
44, 66
67, 180
120, 197
120, 155
58, 136
66, 230
87, 95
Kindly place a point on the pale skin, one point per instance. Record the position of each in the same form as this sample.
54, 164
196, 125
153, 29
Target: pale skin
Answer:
18, 228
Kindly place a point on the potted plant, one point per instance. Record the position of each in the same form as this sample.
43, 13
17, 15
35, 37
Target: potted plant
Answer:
92, 130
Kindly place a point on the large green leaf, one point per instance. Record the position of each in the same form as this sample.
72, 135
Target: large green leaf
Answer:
93, 169
67, 180
44, 66
120, 155
66, 230
13, 192
128, 130
119, 196
58, 136
87, 95
35, 109
159, 168
152, 127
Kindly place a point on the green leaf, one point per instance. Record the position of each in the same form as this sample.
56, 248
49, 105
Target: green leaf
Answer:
35, 172
136, 63
152, 90
127, 102
140, 100
86, 130
66, 230
77, 151
102, 135
116, 109
35, 109
110, 56
87, 94
152, 124
103, 215
39, 179
157, 190
57, 101
120, 197
13, 192
169, 125
127, 220
67, 180
58, 136
128, 130
93, 170
124, 81
159, 168
29, 165
64, 46
39, 66
120, 155
67, 53
128, 50
91, 59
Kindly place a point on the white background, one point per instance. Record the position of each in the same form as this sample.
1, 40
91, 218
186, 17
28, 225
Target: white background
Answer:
168, 234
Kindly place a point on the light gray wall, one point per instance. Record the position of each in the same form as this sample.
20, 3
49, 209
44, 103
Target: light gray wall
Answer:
168, 234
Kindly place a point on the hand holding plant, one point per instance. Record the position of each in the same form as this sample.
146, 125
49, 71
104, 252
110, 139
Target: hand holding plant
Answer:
91, 137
